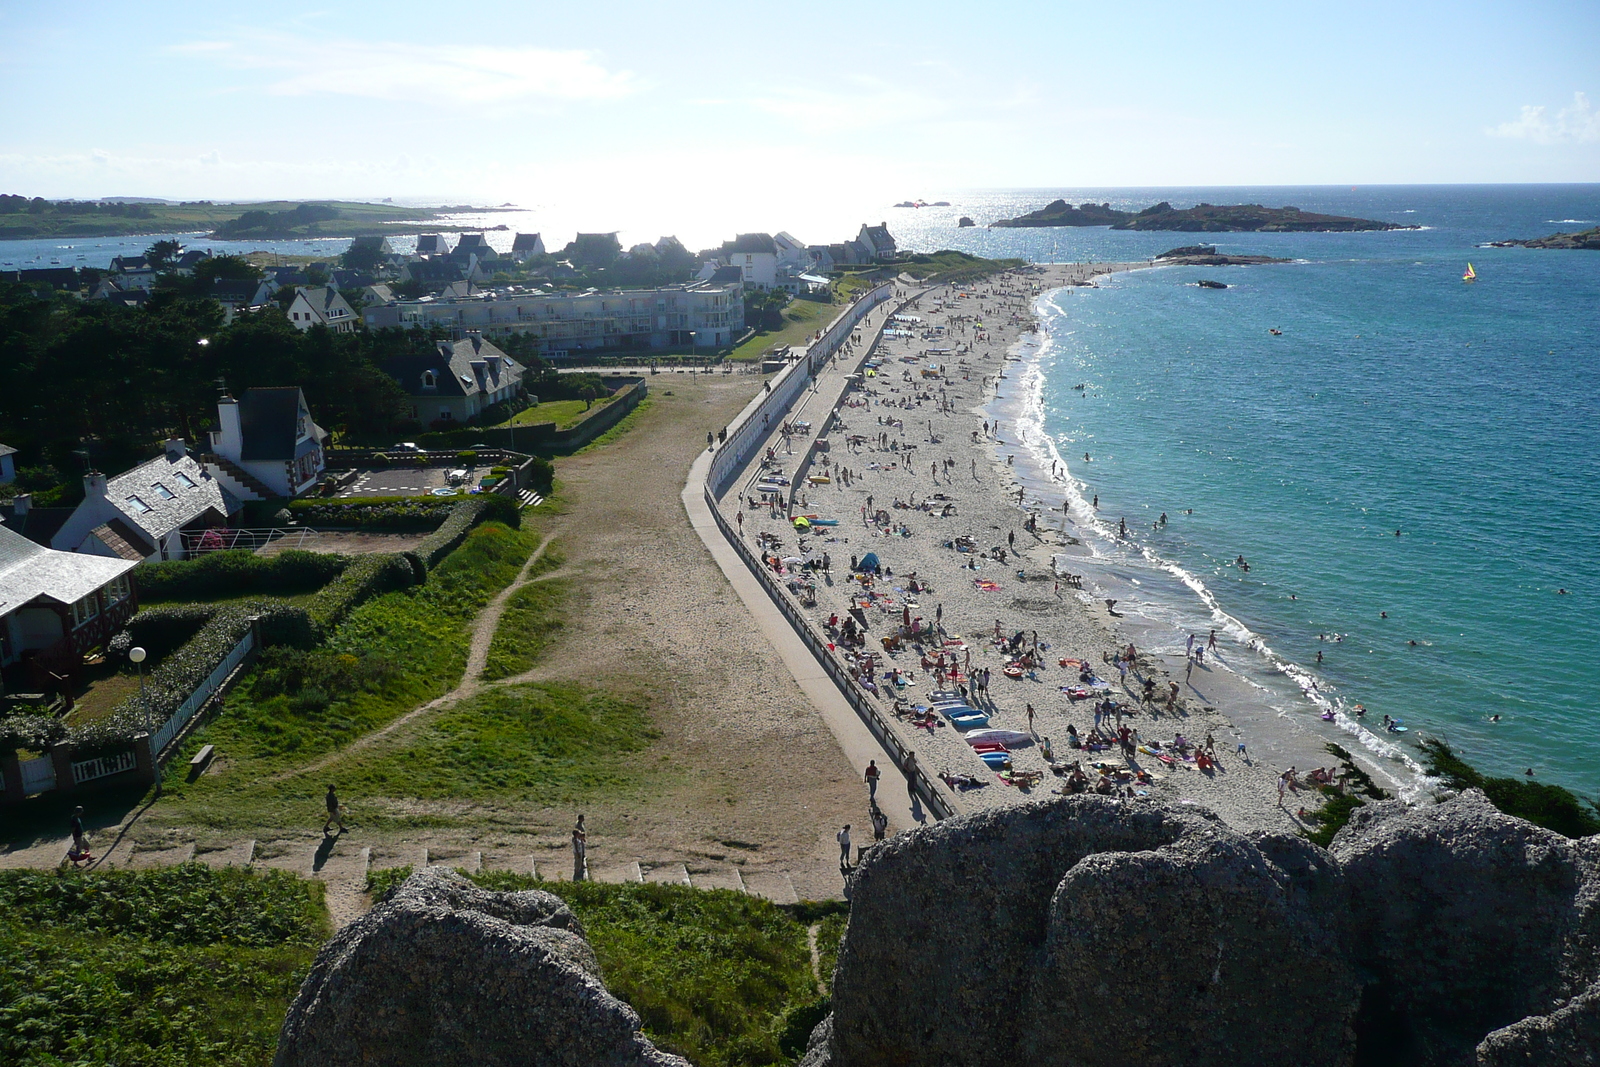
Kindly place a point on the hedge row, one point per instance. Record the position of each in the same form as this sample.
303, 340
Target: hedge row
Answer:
443, 541
178, 675
367, 577
376, 513
217, 629
235, 572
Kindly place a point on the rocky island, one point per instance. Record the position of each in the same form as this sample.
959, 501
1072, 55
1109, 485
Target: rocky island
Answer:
1202, 218
1589, 238
1208, 256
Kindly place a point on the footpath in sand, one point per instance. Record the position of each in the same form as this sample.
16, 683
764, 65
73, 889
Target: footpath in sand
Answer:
913, 473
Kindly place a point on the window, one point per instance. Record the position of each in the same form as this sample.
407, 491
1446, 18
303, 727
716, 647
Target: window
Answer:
86, 609
185, 481
163, 492
139, 506
119, 590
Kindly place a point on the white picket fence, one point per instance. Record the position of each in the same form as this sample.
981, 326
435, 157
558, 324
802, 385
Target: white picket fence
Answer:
198, 698
103, 766
38, 775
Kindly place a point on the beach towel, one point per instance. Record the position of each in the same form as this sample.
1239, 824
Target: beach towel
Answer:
986, 585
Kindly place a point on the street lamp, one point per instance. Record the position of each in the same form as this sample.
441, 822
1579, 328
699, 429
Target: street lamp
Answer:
137, 654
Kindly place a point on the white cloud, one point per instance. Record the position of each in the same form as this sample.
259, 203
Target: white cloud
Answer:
410, 73
1578, 122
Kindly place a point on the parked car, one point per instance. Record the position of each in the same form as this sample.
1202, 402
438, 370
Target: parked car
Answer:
406, 446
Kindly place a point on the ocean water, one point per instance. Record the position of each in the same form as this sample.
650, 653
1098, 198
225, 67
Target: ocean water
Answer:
1398, 398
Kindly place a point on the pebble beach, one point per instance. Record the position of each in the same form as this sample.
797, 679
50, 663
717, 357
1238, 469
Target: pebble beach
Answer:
914, 468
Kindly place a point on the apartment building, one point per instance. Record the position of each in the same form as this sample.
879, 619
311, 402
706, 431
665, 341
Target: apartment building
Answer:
703, 314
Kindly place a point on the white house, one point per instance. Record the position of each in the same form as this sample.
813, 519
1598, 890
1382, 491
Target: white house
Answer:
143, 513
879, 244
8, 465
268, 446
526, 246
321, 306
454, 382
58, 604
756, 256
133, 272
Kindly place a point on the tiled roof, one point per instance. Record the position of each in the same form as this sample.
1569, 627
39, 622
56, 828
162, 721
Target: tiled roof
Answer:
28, 571
115, 535
164, 513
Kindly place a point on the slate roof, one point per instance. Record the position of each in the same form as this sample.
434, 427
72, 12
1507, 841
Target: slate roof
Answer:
433, 271
123, 264
727, 274
36, 524
526, 242
430, 243
238, 292
462, 368
7, 450
165, 514
267, 423
29, 571
190, 260
754, 242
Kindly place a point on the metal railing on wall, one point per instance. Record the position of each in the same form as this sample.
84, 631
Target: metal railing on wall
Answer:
733, 455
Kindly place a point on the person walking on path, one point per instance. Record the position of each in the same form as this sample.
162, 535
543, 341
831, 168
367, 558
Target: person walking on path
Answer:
843, 837
872, 779
580, 847
80, 840
335, 815
880, 824
1030, 718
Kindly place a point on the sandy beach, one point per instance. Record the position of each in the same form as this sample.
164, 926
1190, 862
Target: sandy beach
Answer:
918, 471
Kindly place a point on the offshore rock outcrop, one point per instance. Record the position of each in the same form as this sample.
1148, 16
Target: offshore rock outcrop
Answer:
443, 972
1096, 931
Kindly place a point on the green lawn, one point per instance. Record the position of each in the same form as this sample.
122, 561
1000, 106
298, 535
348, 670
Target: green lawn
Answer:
393, 653
801, 319
563, 413
532, 621
715, 975
163, 968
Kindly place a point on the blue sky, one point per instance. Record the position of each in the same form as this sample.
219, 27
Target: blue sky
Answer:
492, 101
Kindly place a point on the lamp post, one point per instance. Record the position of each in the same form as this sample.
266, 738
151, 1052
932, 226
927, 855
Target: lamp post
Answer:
137, 655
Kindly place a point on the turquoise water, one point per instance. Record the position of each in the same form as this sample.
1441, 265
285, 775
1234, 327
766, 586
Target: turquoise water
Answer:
1397, 398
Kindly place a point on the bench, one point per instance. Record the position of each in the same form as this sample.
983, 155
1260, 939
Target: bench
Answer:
202, 757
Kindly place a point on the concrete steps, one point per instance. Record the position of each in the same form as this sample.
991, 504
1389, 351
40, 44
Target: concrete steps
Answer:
344, 865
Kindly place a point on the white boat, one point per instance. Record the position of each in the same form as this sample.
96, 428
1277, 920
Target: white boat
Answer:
997, 736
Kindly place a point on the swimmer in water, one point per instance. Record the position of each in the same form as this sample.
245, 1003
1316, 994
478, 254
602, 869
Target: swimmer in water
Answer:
1383, 614
1319, 659
1562, 592
1397, 533
1413, 644
1494, 718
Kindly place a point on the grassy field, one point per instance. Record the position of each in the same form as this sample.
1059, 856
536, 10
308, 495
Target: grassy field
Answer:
354, 218
801, 319
563, 413
531, 623
393, 653
716, 976
163, 968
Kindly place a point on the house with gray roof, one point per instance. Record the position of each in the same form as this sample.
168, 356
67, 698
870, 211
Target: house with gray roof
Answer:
144, 513
526, 246
58, 605
268, 445
878, 242
321, 306
454, 382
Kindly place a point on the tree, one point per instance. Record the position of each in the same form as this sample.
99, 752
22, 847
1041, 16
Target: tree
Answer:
162, 254
231, 267
589, 394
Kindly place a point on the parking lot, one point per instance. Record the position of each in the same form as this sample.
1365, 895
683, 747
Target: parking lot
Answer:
405, 481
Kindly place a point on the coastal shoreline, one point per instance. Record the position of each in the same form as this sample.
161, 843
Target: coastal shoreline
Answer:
1273, 700
885, 433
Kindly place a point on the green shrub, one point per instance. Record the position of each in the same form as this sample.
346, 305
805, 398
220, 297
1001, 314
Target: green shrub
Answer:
36, 733
375, 513
468, 456
236, 572
381, 459
1549, 806
463, 517
367, 577
542, 476
161, 631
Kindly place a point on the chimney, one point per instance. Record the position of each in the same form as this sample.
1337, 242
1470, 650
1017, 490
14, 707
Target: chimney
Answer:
176, 449
228, 439
21, 504
94, 485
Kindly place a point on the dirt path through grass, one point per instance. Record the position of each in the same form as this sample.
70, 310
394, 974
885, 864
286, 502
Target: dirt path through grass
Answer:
483, 630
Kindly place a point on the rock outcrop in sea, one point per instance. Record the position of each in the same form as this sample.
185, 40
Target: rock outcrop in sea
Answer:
443, 972
1095, 931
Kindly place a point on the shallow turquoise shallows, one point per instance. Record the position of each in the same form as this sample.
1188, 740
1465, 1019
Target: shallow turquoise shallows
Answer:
1397, 398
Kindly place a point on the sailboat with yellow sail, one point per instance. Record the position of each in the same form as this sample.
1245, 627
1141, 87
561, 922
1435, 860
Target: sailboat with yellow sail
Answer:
1471, 275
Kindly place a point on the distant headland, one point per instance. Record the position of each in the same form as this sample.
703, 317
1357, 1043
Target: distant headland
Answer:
1589, 238
24, 218
1202, 218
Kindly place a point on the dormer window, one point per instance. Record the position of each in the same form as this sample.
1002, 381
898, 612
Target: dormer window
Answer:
163, 492
184, 480
430, 380
139, 506
300, 425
